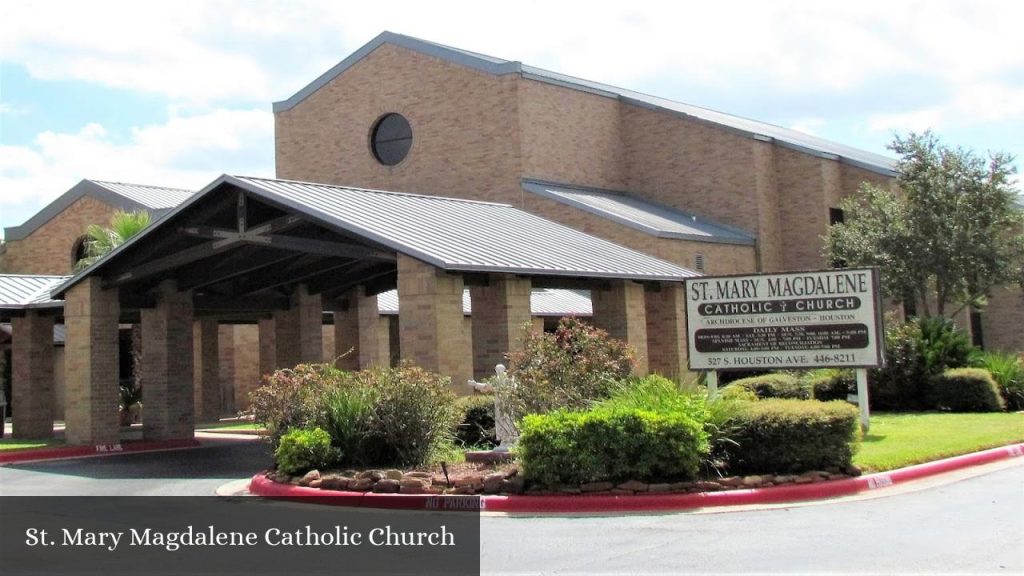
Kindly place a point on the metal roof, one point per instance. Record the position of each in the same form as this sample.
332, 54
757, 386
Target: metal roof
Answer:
543, 302
464, 235
156, 200
643, 215
152, 197
745, 126
19, 291
452, 234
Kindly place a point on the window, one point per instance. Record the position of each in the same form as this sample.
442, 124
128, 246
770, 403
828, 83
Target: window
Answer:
78, 251
977, 334
391, 139
836, 216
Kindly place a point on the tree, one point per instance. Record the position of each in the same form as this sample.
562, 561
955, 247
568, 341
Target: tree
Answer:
101, 241
950, 231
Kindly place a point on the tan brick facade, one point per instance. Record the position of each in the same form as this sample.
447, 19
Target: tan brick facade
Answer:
48, 249
32, 361
206, 362
621, 311
500, 310
167, 385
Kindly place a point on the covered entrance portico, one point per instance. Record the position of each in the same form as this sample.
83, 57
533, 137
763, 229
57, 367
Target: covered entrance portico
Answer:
280, 253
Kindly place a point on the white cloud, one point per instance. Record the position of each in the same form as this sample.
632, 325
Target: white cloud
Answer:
185, 152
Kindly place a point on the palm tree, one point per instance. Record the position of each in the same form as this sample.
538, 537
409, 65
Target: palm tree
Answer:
100, 241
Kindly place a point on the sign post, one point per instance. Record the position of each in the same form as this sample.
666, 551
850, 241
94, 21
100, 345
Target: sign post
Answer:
796, 320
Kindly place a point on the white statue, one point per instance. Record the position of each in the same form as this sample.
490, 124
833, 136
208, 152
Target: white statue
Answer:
504, 427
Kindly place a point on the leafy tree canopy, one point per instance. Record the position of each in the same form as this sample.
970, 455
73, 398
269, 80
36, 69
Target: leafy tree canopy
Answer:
951, 229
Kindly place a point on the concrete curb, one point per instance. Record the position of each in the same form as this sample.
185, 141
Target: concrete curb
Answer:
63, 453
261, 486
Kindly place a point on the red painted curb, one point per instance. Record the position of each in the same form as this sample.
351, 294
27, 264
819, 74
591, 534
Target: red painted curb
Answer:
36, 454
261, 486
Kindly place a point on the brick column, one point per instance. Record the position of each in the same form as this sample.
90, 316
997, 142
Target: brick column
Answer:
500, 310
91, 363
666, 330
620, 311
32, 375
206, 355
430, 314
358, 327
267, 347
167, 389
298, 331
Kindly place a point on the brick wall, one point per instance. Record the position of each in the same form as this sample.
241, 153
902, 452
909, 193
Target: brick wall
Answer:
465, 128
47, 250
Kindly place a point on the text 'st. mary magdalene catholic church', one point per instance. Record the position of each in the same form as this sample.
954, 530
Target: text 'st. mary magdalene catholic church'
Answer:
429, 201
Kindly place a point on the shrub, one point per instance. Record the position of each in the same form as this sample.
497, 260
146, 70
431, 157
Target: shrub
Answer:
902, 384
943, 345
292, 398
610, 444
414, 414
477, 428
966, 390
348, 417
774, 386
656, 394
566, 369
792, 436
831, 384
303, 450
1008, 372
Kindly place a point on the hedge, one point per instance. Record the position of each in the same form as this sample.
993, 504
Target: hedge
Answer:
792, 436
610, 444
966, 390
775, 386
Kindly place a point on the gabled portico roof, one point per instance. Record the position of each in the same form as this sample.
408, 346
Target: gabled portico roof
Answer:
452, 234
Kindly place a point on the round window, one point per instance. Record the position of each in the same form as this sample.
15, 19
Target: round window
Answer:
391, 139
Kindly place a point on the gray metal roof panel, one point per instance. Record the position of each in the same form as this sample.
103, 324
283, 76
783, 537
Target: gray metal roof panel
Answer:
643, 215
154, 199
753, 128
465, 235
19, 291
543, 302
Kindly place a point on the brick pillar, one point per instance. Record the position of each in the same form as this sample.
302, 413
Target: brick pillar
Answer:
620, 311
206, 355
374, 339
298, 331
666, 330
91, 363
167, 389
500, 310
32, 393
430, 314
226, 369
267, 347
358, 327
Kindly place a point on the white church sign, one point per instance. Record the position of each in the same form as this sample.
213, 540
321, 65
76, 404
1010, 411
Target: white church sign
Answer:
827, 318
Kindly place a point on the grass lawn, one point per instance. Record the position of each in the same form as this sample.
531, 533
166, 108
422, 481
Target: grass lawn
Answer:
18, 444
898, 440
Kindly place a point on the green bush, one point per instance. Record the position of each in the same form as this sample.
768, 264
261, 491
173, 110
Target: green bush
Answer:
303, 450
566, 369
656, 394
966, 390
792, 436
292, 398
902, 384
943, 345
347, 414
1008, 372
774, 385
414, 415
610, 444
477, 428
830, 384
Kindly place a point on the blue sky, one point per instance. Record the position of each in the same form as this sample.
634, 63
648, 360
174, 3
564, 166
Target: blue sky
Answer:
176, 93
